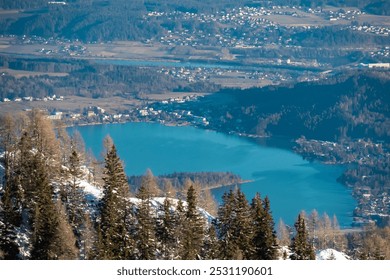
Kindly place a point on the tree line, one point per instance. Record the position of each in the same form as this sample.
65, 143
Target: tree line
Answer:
46, 214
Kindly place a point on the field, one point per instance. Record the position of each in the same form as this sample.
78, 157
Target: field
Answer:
237, 79
126, 50
21, 73
302, 18
70, 103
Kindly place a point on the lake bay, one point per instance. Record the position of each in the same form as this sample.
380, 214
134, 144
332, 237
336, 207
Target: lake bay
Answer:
292, 184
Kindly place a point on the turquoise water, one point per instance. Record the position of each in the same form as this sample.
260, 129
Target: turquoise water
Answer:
291, 183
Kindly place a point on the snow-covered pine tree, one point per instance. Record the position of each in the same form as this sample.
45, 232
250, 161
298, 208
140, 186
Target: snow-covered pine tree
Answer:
45, 218
73, 196
264, 239
243, 226
145, 228
210, 244
165, 232
228, 247
115, 241
193, 229
145, 231
180, 219
301, 246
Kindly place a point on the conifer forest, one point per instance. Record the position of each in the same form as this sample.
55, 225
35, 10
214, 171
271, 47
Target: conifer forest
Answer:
48, 213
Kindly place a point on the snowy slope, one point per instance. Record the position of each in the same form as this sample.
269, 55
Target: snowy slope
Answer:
326, 254
93, 194
331, 254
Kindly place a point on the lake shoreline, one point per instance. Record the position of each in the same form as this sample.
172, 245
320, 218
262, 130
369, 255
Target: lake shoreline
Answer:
278, 173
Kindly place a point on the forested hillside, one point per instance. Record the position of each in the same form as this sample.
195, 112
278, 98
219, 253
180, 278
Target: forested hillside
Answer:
58, 203
98, 20
346, 106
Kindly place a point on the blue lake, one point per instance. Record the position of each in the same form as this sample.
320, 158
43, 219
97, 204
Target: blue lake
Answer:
291, 183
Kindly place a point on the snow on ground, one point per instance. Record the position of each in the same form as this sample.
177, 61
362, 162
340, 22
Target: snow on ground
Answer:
94, 193
326, 254
158, 202
23, 237
91, 192
331, 254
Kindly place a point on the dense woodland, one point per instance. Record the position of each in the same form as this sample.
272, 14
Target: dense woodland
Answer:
105, 20
46, 214
345, 106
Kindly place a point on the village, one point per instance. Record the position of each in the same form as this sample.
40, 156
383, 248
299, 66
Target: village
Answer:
368, 160
161, 112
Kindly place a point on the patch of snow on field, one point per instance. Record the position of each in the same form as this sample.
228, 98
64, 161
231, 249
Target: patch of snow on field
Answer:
331, 254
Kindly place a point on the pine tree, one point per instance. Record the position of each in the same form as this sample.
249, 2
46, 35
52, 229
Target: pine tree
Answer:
11, 195
301, 247
10, 219
179, 234
243, 226
145, 227
145, 231
182, 194
165, 232
228, 247
193, 230
115, 242
45, 218
88, 239
210, 244
264, 240
74, 197
64, 142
